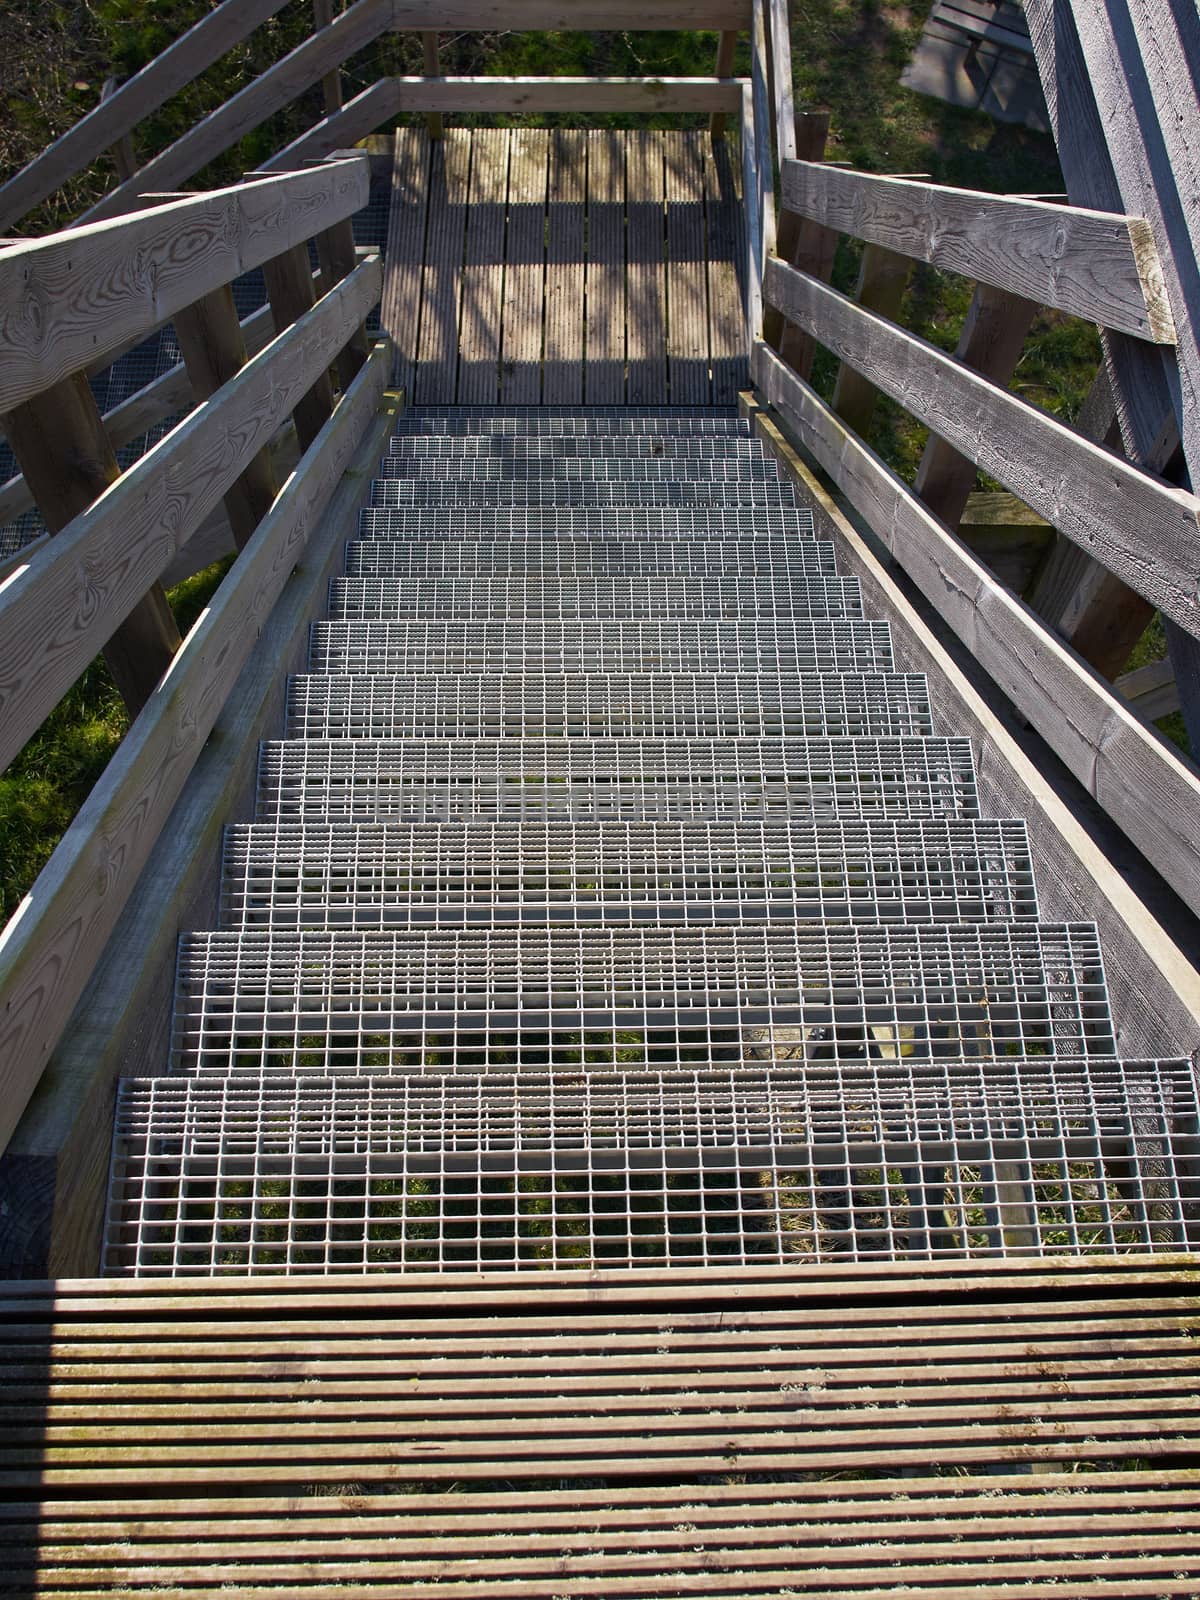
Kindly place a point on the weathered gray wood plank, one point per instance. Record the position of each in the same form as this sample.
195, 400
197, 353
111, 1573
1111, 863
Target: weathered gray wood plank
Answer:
483, 269
562, 371
401, 312
363, 22
584, 15
437, 356
587, 96
604, 375
291, 292
687, 299
726, 51
524, 268
1089, 494
726, 264
882, 281
645, 271
184, 59
804, 244
162, 802
375, 106
69, 299
1136, 776
1090, 264
61, 605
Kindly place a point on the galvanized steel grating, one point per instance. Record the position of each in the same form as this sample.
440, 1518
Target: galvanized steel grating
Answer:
361, 1001
702, 1167
434, 780
678, 491
513, 644
610, 453
287, 875
496, 558
638, 523
657, 705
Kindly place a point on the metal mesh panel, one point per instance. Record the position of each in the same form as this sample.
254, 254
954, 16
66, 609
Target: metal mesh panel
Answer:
617, 448
351, 599
722, 466
659, 705
416, 999
432, 780
499, 874
821, 1164
747, 644
585, 558
706, 491
630, 523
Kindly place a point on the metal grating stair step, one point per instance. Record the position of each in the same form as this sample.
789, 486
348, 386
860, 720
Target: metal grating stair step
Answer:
799, 1164
684, 490
421, 450
433, 780
353, 599
637, 523
704, 645
287, 875
353, 1001
735, 462
529, 421
588, 558
659, 705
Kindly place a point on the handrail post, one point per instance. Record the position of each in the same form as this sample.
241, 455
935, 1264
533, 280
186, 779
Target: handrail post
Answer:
290, 291
122, 151
882, 279
724, 69
331, 83
433, 69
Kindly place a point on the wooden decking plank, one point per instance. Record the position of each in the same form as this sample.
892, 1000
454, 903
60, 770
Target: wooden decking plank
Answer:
604, 366
726, 268
401, 310
562, 373
437, 359
524, 268
646, 272
687, 289
483, 269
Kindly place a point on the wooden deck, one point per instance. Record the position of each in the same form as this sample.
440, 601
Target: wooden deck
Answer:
535, 266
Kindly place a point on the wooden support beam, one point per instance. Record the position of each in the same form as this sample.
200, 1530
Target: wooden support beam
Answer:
1090, 264
1004, 532
331, 83
52, 622
1143, 529
50, 953
805, 245
122, 152
726, 50
70, 299
1135, 775
336, 252
431, 61
213, 350
882, 281
290, 291
990, 343
67, 459
583, 16
1151, 690
120, 112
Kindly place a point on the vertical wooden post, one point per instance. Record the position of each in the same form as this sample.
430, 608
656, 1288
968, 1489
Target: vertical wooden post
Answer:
331, 83
991, 342
433, 69
213, 350
805, 245
725, 53
124, 158
335, 250
60, 444
290, 291
882, 280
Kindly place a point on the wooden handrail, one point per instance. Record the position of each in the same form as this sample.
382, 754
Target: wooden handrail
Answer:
1142, 528
67, 299
1092, 264
49, 948
51, 625
117, 115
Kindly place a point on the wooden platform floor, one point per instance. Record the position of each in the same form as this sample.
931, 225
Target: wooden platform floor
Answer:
536, 266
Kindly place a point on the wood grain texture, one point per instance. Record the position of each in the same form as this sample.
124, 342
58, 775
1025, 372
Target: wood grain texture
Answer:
1086, 867
357, 27
51, 948
1090, 264
1134, 774
123, 1018
604, 377
1090, 495
882, 282
483, 269
726, 266
437, 356
645, 269
401, 310
687, 296
338, 256
72, 591
783, 100
804, 244
291, 292
566, 194
372, 108
991, 341
68, 300
184, 59
524, 268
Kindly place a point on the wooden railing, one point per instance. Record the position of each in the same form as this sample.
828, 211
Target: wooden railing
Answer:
75, 299
1123, 272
